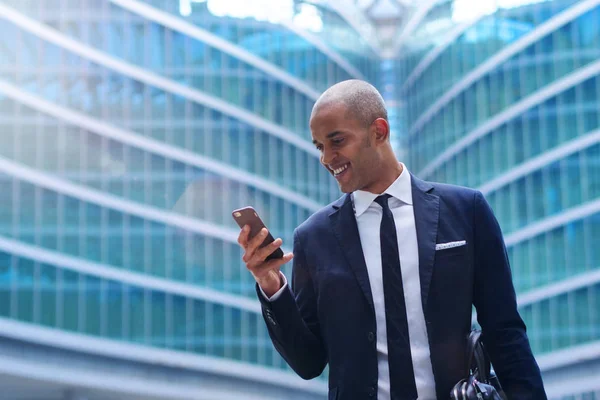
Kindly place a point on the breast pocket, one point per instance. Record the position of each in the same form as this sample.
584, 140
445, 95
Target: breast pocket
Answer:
452, 258
459, 251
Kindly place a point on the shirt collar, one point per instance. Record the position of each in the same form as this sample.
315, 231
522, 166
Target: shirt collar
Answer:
400, 189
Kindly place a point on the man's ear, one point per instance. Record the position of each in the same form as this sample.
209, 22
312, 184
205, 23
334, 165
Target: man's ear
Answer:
382, 130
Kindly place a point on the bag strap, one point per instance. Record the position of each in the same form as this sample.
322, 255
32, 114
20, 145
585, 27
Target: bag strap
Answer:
472, 341
477, 356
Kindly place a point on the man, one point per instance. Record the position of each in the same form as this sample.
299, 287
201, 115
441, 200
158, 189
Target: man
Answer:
384, 278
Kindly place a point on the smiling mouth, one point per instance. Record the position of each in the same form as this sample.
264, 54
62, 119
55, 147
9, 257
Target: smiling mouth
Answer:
340, 170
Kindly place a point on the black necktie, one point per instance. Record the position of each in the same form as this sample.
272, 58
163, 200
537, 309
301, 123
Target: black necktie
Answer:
402, 377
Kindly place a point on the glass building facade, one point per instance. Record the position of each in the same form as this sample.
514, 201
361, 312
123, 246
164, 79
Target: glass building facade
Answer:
130, 129
509, 103
128, 134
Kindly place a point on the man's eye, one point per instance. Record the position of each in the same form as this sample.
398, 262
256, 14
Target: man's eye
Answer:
337, 141
319, 147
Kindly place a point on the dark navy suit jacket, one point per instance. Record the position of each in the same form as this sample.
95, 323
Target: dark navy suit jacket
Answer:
327, 315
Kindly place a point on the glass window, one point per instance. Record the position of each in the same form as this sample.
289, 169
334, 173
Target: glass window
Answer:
48, 295
200, 324
553, 192
113, 309
92, 292
536, 200
563, 321
547, 327
593, 223
594, 315
179, 309
139, 314
70, 290
158, 315
217, 335
571, 168
25, 289
235, 349
7, 275
556, 246
516, 133
592, 155
581, 309
519, 196
540, 264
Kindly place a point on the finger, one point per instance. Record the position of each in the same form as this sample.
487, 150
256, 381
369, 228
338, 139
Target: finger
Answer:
262, 269
278, 262
254, 243
243, 237
264, 252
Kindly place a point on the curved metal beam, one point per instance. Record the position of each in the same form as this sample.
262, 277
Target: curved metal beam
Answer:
110, 272
58, 185
413, 22
435, 53
517, 109
541, 161
179, 25
144, 354
324, 48
154, 146
116, 203
357, 21
493, 62
53, 36
571, 284
579, 354
553, 222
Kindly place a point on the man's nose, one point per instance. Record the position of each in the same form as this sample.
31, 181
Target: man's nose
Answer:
327, 157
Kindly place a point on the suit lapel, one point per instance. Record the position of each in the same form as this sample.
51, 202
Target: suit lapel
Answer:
427, 209
345, 229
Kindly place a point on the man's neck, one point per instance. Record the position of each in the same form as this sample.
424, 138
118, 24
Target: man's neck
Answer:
391, 172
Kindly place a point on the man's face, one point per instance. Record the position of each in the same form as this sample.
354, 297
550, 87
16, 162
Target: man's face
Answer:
345, 146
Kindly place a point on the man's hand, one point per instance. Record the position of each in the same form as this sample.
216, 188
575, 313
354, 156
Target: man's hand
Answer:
266, 274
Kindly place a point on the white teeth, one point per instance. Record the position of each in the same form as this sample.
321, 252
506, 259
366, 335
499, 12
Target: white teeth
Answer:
340, 170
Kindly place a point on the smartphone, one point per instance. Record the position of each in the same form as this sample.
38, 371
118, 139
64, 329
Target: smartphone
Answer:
249, 216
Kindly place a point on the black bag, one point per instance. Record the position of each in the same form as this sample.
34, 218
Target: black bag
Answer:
481, 383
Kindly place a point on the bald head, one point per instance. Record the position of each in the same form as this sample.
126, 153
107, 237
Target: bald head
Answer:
363, 102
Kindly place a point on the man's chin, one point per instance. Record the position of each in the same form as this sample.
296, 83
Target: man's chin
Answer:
346, 188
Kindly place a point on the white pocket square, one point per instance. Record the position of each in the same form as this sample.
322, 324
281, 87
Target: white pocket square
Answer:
449, 245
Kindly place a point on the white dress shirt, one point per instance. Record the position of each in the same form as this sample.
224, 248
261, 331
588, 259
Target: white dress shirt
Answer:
368, 217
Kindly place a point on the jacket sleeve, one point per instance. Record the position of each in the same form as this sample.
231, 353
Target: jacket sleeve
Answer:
292, 320
504, 332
